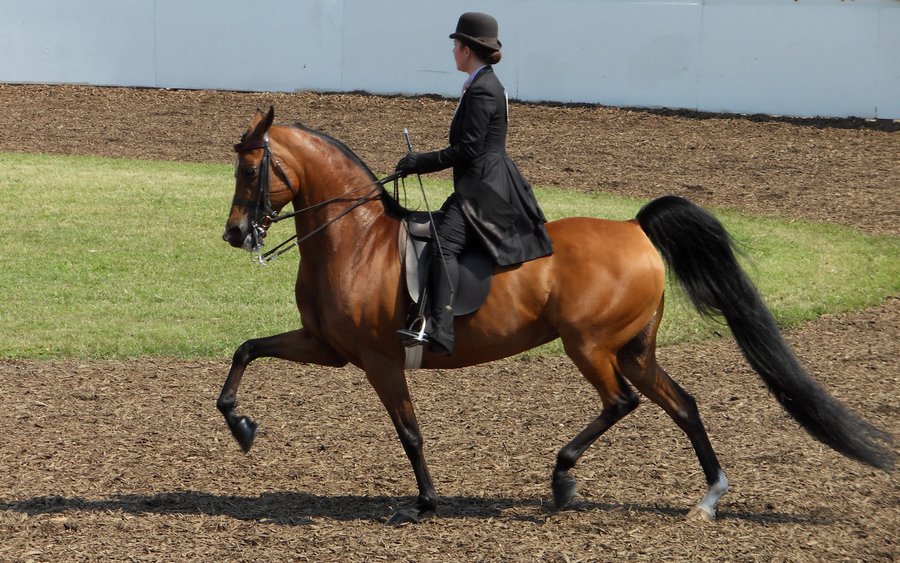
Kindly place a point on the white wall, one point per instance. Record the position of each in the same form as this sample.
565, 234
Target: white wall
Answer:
793, 57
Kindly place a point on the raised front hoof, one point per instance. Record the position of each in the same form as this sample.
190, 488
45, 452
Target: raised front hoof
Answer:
702, 513
244, 431
405, 516
563, 490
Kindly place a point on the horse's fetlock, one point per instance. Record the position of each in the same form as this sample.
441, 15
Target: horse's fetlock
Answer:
719, 484
226, 404
427, 502
565, 460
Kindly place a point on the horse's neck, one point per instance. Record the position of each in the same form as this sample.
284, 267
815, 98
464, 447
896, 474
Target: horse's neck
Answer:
350, 234
343, 225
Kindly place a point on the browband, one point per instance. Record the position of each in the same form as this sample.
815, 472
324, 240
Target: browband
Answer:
249, 145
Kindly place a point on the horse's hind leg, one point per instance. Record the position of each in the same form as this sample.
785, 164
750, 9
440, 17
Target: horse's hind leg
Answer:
296, 346
637, 362
618, 400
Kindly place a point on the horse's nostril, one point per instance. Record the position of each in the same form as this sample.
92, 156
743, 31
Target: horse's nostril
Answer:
233, 236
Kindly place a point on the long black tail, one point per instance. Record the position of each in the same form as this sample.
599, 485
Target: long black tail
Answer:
699, 251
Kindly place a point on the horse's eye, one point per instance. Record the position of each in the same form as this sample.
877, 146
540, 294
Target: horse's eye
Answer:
249, 172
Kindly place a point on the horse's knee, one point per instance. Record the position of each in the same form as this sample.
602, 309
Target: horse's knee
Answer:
411, 439
244, 353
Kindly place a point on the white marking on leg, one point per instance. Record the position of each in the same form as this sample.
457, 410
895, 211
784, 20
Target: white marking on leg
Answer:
707, 505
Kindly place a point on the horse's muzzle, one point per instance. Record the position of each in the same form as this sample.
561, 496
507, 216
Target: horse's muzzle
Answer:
250, 239
235, 236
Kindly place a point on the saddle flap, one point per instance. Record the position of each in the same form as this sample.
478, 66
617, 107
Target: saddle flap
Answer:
413, 246
415, 265
475, 266
475, 271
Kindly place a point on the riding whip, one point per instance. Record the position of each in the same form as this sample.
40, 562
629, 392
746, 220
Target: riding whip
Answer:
437, 239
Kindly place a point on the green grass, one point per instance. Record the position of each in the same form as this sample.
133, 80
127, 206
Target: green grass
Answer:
116, 258
111, 258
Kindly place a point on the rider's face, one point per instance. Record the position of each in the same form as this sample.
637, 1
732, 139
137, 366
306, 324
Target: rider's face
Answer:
461, 55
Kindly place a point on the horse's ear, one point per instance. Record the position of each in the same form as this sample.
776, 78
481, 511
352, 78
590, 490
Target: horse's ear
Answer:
261, 123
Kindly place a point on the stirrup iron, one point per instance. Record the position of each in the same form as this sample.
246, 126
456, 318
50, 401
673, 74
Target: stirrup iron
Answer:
412, 336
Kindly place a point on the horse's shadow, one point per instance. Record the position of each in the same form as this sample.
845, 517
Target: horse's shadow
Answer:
298, 508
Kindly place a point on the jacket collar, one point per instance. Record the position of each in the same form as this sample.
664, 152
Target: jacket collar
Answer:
471, 78
479, 72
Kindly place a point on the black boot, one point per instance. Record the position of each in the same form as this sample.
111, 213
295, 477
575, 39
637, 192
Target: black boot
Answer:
441, 332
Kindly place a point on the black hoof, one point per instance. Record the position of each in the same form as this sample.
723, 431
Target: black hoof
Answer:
244, 431
404, 516
563, 490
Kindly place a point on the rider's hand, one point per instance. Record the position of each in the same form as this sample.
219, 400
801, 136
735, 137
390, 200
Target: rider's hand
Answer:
407, 164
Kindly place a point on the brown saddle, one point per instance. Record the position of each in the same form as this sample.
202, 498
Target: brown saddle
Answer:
475, 265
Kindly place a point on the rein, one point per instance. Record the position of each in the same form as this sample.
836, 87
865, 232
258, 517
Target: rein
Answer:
275, 252
265, 216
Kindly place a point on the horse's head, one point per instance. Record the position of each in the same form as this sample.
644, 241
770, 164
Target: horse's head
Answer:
261, 188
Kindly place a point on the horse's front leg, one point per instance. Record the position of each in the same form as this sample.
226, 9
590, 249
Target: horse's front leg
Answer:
389, 382
296, 346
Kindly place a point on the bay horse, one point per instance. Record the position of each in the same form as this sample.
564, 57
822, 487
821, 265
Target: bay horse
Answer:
601, 292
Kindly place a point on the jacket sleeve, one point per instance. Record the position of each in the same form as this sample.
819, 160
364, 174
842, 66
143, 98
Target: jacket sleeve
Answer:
480, 105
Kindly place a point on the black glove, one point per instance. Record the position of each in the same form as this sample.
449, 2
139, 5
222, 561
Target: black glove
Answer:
407, 164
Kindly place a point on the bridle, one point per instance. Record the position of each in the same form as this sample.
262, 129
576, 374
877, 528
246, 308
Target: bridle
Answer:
262, 206
265, 215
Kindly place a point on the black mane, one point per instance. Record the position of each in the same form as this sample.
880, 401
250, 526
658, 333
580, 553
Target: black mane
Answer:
391, 205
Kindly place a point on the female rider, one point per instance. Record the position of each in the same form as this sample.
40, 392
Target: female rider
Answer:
492, 204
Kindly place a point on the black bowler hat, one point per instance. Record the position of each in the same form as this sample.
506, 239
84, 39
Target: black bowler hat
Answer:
479, 29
